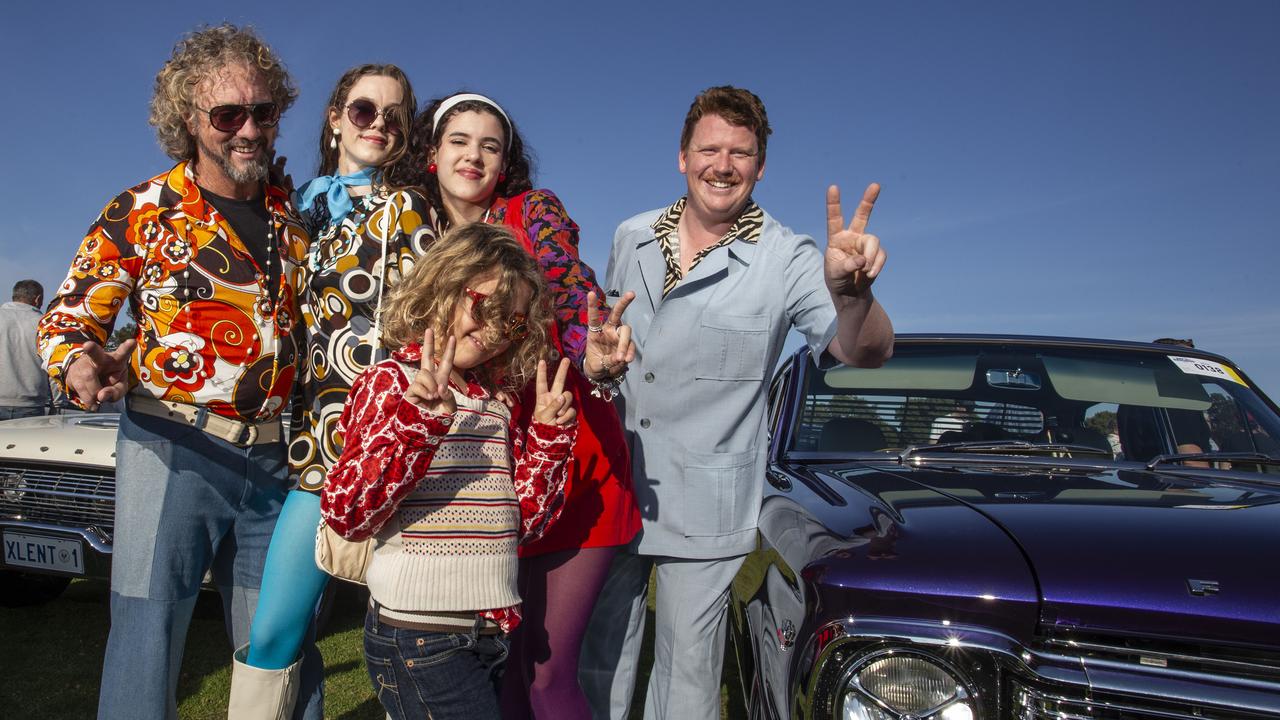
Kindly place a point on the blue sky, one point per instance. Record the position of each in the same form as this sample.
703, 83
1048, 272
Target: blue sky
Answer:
1100, 169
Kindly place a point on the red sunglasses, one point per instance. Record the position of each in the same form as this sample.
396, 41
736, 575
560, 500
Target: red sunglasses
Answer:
362, 113
517, 325
230, 118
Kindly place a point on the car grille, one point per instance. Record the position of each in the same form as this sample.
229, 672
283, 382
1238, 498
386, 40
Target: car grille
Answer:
77, 497
1031, 703
1034, 699
1221, 660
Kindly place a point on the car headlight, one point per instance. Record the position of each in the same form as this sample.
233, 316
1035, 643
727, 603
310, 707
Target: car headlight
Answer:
894, 685
11, 485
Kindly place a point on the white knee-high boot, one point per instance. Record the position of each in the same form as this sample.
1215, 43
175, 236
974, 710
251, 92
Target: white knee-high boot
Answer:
258, 694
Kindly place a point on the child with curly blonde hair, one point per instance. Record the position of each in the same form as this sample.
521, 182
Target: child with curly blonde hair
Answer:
434, 469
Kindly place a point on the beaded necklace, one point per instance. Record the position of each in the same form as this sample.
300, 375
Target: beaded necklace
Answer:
262, 276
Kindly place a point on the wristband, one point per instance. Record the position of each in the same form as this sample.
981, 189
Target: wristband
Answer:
607, 388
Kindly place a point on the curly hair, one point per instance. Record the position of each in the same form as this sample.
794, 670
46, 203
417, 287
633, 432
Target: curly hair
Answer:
338, 101
737, 106
411, 171
195, 57
429, 295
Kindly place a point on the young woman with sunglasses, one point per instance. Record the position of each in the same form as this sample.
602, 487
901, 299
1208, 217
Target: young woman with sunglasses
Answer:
365, 237
471, 160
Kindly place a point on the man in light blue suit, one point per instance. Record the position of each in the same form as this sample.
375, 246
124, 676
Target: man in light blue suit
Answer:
719, 284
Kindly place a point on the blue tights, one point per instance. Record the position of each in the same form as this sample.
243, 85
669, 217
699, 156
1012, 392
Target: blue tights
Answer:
291, 585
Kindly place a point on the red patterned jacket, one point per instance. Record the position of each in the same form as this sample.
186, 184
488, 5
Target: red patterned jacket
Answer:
389, 446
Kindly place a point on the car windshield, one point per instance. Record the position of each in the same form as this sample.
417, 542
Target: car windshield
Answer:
1101, 403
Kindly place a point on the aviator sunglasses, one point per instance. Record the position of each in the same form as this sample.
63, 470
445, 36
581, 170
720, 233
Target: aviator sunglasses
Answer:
230, 118
363, 112
517, 325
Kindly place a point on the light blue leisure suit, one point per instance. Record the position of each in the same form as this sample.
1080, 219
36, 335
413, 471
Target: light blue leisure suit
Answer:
693, 404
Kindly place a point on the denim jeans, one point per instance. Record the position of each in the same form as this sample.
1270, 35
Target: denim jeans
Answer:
13, 412
185, 502
444, 676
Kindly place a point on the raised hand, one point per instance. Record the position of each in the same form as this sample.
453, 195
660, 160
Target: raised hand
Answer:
554, 405
609, 346
98, 376
854, 257
279, 176
430, 387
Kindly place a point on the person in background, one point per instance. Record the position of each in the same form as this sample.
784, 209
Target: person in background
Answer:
954, 421
24, 386
721, 283
365, 237
473, 163
207, 256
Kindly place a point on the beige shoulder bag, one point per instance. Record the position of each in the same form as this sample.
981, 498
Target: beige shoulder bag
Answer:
340, 557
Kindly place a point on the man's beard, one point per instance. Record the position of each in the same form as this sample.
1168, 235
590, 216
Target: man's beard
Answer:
255, 171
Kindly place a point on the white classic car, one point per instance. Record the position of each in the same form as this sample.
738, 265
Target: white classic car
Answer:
57, 503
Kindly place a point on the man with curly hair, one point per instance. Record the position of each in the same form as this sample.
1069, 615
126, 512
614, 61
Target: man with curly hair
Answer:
207, 257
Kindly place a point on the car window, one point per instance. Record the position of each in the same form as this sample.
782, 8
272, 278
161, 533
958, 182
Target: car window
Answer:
862, 422
1113, 403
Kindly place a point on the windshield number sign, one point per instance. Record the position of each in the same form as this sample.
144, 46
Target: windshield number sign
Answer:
1197, 366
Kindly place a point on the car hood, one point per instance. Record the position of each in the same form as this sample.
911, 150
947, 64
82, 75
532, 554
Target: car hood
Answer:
1138, 552
79, 439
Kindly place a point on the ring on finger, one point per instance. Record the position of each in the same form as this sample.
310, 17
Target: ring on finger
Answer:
595, 328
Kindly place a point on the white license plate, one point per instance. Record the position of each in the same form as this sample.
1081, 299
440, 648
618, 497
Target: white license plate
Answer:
45, 553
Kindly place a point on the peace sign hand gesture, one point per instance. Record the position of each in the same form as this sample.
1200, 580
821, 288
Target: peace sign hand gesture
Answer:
854, 257
554, 405
609, 346
430, 387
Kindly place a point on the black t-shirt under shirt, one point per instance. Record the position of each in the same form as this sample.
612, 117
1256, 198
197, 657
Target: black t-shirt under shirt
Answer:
250, 220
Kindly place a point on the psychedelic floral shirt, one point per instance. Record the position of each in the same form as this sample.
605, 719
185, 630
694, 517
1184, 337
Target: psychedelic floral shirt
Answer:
351, 267
210, 333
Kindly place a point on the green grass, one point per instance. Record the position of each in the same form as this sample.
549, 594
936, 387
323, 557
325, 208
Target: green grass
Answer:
51, 659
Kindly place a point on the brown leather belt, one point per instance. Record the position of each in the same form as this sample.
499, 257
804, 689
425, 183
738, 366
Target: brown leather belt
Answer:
236, 432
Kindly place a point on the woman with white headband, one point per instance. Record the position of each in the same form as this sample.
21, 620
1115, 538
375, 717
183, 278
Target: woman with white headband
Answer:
470, 159
365, 235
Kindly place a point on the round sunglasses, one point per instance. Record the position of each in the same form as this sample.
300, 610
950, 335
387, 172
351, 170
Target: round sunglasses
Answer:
517, 327
362, 113
230, 118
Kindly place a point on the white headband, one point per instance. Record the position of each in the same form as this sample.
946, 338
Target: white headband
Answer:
449, 104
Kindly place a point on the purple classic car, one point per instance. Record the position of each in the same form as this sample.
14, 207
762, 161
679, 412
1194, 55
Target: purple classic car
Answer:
1015, 528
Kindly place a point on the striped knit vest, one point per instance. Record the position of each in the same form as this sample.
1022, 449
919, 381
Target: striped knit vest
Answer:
452, 543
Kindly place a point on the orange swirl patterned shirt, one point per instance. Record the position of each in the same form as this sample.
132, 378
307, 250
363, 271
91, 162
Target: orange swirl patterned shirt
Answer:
209, 332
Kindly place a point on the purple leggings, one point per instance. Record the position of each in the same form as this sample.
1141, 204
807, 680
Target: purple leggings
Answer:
558, 591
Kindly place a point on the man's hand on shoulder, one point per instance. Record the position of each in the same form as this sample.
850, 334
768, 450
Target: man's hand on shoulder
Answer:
854, 257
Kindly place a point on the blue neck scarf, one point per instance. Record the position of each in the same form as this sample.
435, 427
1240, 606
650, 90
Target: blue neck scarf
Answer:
334, 189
